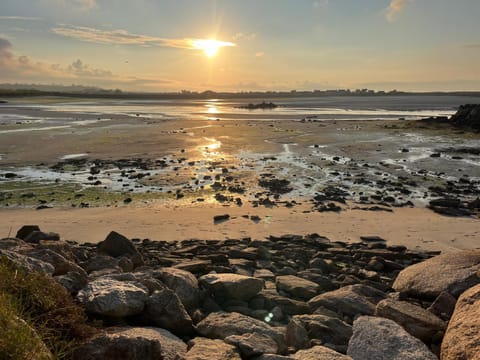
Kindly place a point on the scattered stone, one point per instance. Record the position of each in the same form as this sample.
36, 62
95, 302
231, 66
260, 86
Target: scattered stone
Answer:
297, 287
383, 339
319, 353
118, 245
253, 344
183, 283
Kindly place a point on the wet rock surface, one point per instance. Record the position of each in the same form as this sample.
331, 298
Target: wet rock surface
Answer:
283, 297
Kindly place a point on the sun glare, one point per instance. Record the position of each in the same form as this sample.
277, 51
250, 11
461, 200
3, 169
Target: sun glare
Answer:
210, 47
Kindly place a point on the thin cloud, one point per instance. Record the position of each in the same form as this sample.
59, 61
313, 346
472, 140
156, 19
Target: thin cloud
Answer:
22, 18
123, 37
79, 4
395, 8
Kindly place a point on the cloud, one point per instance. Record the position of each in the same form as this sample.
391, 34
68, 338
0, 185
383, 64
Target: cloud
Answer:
123, 37
259, 54
22, 18
395, 8
78, 4
243, 36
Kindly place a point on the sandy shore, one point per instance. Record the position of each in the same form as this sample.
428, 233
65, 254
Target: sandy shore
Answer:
415, 228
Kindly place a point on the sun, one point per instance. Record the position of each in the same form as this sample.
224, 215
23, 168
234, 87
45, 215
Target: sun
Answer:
210, 47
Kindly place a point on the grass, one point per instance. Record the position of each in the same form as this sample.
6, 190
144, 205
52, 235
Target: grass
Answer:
38, 317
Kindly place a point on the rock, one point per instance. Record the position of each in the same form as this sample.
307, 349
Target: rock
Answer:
288, 306
350, 300
101, 262
417, 321
443, 306
183, 283
319, 353
208, 349
146, 343
467, 116
195, 266
15, 245
118, 245
327, 329
453, 273
61, 265
297, 287
232, 286
26, 230
28, 263
35, 237
253, 344
220, 325
72, 281
113, 298
461, 339
378, 338
164, 309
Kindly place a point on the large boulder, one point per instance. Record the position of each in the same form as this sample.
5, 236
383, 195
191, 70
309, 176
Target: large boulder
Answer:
36, 237
113, 298
164, 309
220, 325
26, 230
329, 330
209, 349
378, 338
146, 343
101, 262
462, 340
319, 353
417, 321
453, 273
232, 286
350, 300
183, 283
27, 263
297, 287
117, 245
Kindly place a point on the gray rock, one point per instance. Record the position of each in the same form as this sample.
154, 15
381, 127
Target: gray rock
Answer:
417, 321
221, 325
72, 281
376, 338
319, 353
183, 283
28, 263
319, 327
350, 300
118, 245
461, 339
453, 273
164, 309
208, 349
253, 344
297, 287
232, 286
145, 343
61, 265
13, 244
101, 262
113, 298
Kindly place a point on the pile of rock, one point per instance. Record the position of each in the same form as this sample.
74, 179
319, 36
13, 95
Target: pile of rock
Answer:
289, 297
467, 116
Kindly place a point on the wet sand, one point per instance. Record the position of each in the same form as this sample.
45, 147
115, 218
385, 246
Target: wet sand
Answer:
415, 228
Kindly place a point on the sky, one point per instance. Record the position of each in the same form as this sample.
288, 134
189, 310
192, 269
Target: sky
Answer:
159, 45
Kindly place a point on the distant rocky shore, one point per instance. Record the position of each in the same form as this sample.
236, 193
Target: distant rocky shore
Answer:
289, 297
467, 117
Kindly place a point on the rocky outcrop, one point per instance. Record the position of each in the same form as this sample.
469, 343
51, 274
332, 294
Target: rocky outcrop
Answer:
117, 245
461, 340
146, 343
383, 339
467, 116
183, 283
453, 273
